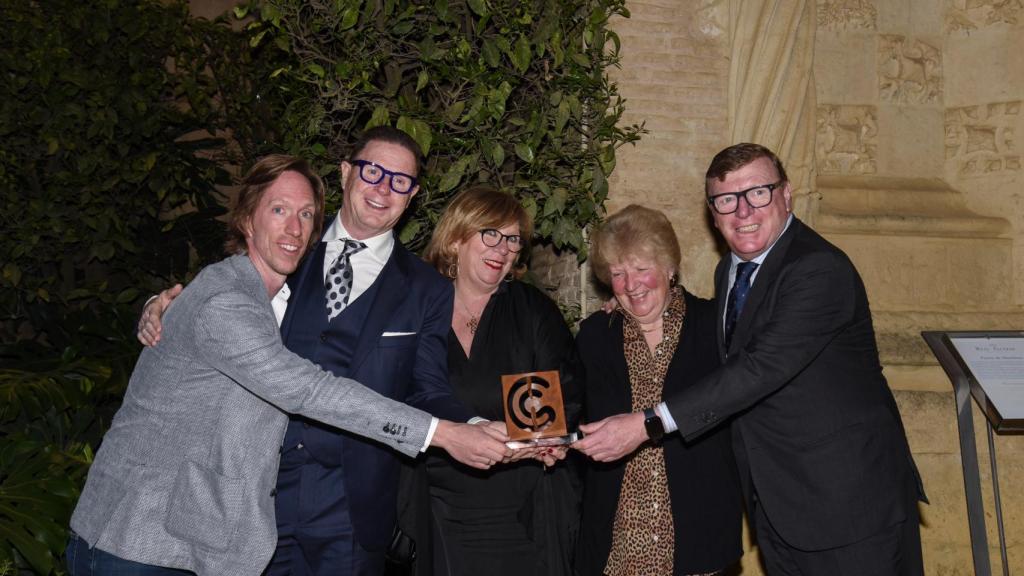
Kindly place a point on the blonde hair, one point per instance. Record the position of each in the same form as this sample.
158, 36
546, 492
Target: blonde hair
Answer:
255, 182
475, 208
634, 231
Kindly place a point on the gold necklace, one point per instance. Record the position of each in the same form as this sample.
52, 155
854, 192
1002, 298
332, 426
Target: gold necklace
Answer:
474, 320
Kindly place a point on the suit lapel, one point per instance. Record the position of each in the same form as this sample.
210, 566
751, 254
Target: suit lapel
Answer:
767, 273
311, 270
390, 293
721, 294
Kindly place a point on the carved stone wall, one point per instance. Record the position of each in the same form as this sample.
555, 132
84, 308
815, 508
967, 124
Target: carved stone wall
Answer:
919, 180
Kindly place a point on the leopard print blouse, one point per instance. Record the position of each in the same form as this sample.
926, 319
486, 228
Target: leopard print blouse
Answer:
643, 534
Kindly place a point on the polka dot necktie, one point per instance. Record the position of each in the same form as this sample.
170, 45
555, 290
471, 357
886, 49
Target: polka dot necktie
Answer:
339, 279
737, 297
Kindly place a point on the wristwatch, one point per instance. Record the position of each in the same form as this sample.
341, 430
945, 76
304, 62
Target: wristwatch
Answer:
652, 422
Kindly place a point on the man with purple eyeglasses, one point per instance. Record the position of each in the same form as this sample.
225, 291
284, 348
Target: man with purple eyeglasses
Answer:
365, 307
360, 306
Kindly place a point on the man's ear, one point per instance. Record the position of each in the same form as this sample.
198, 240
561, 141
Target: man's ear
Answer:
787, 195
346, 168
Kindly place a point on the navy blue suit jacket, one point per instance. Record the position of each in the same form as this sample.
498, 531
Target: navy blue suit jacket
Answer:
413, 303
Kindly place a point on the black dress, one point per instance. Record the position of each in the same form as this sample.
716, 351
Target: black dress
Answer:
516, 518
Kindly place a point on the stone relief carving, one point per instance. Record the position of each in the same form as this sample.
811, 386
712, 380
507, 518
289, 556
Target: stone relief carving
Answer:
712, 19
980, 139
909, 71
847, 139
846, 14
965, 15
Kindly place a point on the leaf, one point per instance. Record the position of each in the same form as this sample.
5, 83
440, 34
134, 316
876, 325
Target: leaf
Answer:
255, 40
455, 173
12, 274
316, 69
419, 130
349, 18
555, 203
241, 11
496, 99
128, 295
525, 152
479, 7
380, 117
599, 187
491, 54
421, 80
455, 110
521, 54
561, 117
530, 205
103, 251
409, 231
495, 153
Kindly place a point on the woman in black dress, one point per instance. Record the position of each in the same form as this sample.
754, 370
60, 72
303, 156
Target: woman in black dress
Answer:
520, 517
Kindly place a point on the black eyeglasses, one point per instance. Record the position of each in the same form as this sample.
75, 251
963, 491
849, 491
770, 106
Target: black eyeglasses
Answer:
492, 238
372, 174
756, 197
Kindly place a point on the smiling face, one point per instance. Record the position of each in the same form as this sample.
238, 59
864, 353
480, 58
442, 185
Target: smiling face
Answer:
279, 228
486, 266
750, 231
372, 209
641, 287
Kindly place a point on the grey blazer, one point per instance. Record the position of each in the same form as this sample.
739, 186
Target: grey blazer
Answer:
185, 476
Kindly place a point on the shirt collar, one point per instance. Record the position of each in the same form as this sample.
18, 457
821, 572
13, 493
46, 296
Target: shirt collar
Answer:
379, 246
284, 293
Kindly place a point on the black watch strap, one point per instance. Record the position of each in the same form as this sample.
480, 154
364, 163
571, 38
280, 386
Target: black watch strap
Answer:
653, 425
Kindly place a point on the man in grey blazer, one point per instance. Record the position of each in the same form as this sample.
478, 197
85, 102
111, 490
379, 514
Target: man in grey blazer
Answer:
184, 480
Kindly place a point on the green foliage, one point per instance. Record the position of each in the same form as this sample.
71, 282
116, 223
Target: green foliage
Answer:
113, 117
118, 117
53, 412
514, 92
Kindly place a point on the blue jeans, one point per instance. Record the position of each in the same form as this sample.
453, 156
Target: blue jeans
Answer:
85, 561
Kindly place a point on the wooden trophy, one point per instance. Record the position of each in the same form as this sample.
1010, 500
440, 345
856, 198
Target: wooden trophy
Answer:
534, 410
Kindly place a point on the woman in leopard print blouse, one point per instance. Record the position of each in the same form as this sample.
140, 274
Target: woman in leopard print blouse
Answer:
670, 507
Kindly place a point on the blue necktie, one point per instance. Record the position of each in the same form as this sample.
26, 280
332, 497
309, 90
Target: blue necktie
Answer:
737, 297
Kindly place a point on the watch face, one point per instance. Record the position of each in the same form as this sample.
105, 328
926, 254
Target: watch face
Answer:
655, 430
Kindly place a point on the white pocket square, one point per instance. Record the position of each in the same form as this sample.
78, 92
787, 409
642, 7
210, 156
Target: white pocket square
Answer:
387, 334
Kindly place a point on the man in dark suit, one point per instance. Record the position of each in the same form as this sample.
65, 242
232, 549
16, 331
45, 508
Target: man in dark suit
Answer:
830, 483
337, 492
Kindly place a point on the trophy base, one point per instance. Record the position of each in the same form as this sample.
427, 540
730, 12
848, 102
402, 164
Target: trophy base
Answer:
548, 441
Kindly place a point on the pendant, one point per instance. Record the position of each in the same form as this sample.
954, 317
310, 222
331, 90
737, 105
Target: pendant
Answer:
472, 324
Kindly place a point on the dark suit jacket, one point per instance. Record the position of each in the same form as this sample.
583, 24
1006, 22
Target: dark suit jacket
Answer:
817, 434
401, 353
702, 477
